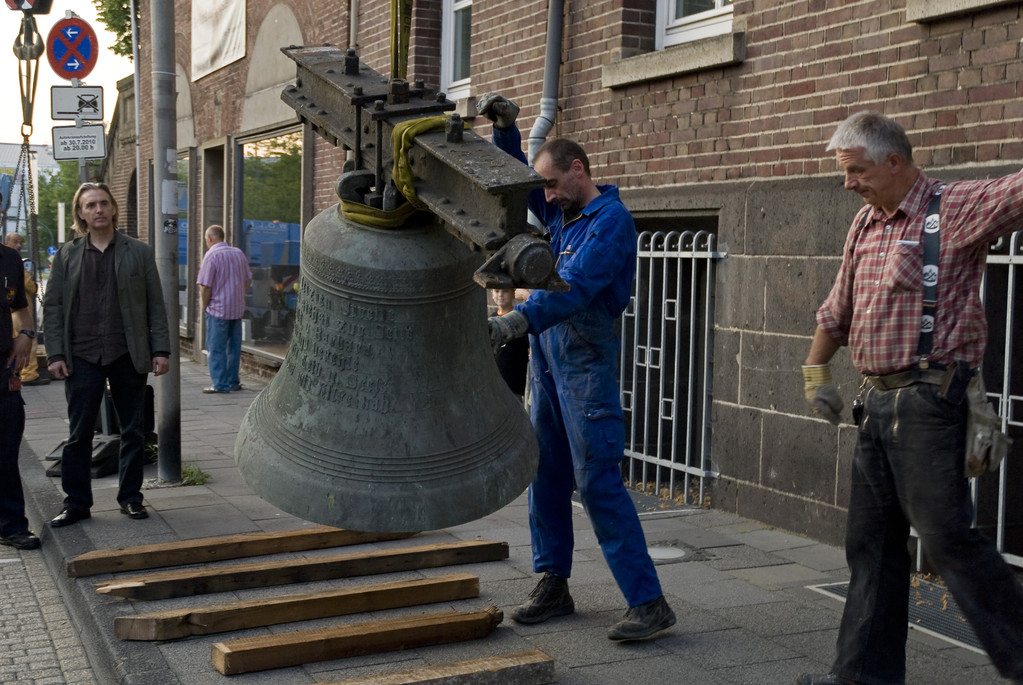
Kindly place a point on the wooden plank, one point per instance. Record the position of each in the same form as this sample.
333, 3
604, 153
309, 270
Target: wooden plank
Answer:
323, 644
204, 550
197, 581
526, 668
206, 620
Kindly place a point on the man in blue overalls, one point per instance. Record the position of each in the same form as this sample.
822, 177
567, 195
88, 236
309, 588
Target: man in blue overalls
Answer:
576, 406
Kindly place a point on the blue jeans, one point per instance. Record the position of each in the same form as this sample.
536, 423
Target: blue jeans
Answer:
580, 449
908, 470
224, 345
12, 497
84, 390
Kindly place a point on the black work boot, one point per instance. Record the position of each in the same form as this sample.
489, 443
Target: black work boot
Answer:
548, 599
643, 621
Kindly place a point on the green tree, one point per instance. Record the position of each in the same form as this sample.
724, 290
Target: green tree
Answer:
57, 186
116, 15
272, 182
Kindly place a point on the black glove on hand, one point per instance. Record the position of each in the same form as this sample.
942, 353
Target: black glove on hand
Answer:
498, 109
508, 327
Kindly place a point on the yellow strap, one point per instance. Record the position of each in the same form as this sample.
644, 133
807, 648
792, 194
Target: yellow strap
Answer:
402, 137
376, 218
401, 27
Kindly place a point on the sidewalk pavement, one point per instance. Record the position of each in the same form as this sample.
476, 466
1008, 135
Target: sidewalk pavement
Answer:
740, 591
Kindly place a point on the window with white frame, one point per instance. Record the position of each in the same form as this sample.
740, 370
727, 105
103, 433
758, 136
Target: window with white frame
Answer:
683, 21
456, 48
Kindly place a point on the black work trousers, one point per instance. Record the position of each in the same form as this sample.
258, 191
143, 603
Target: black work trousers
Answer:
908, 470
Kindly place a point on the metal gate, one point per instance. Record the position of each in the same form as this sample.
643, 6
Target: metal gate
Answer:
666, 362
999, 496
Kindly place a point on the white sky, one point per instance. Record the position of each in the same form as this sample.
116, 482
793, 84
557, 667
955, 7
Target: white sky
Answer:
109, 69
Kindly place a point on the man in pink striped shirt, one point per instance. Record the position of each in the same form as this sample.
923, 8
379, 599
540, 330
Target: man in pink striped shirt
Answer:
224, 278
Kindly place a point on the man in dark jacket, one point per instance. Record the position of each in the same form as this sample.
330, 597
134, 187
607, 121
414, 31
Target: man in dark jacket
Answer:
105, 322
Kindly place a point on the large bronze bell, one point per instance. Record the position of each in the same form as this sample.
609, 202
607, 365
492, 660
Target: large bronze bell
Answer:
389, 413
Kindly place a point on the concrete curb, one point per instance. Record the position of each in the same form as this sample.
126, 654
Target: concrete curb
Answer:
113, 660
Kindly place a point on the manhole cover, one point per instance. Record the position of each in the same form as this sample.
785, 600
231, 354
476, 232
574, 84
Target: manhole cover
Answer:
666, 555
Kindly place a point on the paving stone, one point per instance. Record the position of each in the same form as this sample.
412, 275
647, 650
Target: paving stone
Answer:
743, 612
775, 577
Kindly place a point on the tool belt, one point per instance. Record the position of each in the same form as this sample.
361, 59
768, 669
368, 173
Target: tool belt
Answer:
900, 379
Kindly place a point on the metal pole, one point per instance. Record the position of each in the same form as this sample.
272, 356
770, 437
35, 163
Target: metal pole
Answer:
165, 203
138, 137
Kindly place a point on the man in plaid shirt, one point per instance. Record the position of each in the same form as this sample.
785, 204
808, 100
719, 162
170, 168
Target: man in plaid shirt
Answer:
908, 467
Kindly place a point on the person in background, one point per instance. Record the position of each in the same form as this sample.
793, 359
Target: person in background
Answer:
909, 463
224, 278
14, 351
30, 372
575, 404
512, 357
105, 323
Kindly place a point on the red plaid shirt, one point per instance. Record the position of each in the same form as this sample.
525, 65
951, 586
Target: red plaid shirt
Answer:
876, 303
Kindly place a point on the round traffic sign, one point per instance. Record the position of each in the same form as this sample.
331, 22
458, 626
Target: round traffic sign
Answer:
31, 6
51, 250
71, 48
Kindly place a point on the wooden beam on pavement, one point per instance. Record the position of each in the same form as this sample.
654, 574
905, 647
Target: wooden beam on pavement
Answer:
323, 644
206, 620
526, 668
197, 581
203, 550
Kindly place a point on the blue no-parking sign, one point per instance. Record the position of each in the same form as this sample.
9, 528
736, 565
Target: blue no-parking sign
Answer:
71, 48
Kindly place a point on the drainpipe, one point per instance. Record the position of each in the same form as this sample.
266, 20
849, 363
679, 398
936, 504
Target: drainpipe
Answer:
353, 24
551, 73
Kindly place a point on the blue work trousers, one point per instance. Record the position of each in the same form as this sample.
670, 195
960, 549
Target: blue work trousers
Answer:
12, 426
579, 448
908, 470
224, 346
84, 390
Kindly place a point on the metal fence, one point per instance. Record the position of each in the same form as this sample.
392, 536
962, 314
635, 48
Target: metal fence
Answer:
666, 362
999, 496
667, 357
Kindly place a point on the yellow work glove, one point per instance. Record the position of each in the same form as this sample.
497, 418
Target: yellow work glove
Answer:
821, 393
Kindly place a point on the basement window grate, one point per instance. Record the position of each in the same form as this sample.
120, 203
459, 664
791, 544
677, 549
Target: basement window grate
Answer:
932, 610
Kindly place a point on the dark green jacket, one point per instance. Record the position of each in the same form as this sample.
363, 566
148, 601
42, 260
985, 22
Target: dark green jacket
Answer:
138, 291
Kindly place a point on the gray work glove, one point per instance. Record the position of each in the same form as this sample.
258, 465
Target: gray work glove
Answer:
821, 393
498, 109
512, 325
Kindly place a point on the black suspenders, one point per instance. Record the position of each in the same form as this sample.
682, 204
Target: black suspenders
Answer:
932, 244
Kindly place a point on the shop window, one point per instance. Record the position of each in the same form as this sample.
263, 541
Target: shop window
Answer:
456, 48
682, 21
270, 235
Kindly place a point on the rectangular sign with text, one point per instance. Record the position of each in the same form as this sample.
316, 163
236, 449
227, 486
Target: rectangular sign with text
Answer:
79, 142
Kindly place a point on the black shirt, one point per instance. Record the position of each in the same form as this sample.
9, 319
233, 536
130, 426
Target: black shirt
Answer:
513, 360
97, 329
